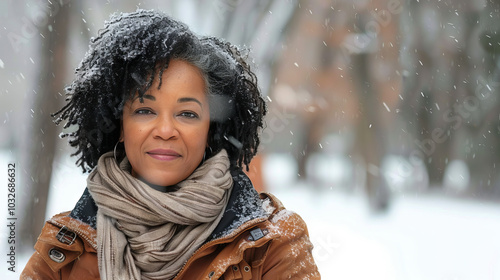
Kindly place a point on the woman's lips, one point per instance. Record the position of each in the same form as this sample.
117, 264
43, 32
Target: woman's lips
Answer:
163, 154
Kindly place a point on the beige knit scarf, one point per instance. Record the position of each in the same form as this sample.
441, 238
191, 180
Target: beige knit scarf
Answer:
143, 233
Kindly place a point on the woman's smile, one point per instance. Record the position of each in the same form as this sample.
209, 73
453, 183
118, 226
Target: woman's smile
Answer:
164, 154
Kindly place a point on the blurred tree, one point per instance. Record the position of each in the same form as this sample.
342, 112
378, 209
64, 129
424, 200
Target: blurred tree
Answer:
374, 70
446, 72
338, 71
40, 142
487, 90
429, 63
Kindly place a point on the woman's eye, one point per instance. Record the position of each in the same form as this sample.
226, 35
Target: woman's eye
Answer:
143, 111
190, 115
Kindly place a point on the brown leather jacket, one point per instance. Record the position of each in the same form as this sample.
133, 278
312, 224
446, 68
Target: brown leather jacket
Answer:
272, 246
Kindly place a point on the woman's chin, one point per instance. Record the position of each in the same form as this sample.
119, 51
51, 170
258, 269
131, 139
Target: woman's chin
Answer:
165, 184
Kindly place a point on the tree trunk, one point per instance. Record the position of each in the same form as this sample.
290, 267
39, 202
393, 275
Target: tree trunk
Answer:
370, 133
40, 145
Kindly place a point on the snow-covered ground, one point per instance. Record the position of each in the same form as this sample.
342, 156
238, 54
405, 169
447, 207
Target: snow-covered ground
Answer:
421, 237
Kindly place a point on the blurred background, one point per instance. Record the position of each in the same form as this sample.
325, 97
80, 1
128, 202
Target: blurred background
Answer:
382, 133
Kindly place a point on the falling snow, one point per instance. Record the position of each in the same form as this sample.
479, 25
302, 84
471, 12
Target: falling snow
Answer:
386, 107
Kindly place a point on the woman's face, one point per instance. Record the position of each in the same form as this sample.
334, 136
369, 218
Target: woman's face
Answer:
166, 135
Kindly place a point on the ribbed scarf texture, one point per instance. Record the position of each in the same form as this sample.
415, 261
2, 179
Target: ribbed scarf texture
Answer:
143, 233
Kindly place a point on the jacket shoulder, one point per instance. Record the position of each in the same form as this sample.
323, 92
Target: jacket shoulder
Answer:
290, 255
274, 202
285, 221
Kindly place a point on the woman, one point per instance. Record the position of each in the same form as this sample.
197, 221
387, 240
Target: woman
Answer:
165, 122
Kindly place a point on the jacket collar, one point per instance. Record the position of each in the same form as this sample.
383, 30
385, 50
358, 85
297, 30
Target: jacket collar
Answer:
244, 205
68, 227
85, 210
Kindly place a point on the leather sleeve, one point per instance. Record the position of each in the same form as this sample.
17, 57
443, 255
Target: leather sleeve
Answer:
290, 256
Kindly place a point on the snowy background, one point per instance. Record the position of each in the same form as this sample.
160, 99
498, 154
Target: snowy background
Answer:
401, 96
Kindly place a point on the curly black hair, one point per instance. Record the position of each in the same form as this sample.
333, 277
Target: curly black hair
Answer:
122, 62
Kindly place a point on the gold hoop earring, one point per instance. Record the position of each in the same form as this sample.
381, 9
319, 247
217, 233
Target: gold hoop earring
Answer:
114, 151
205, 154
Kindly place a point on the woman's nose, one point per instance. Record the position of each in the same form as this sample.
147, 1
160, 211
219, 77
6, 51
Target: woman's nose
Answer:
165, 128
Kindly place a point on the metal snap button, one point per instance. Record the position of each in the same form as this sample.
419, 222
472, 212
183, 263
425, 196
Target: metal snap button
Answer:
56, 255
246, 268
235, 268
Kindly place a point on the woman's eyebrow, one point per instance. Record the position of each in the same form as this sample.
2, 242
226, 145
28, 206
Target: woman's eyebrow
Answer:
150, 97
189, 99
146, 96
